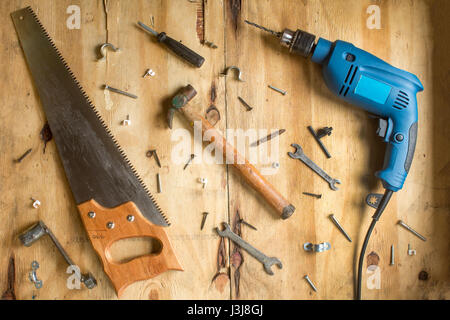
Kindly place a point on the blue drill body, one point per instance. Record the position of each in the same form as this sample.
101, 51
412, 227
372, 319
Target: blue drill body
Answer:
368, 82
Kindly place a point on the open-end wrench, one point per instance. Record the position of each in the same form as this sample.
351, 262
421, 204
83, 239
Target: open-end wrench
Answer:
298, 154
258, 255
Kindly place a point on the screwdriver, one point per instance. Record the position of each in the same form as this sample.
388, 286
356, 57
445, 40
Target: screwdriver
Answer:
178, 48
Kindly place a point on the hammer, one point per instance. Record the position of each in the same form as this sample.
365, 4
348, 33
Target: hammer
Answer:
247, 170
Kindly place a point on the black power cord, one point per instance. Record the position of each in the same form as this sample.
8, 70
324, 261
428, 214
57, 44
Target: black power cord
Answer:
381, 206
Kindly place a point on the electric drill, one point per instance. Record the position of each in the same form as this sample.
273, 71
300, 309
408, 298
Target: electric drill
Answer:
368, 82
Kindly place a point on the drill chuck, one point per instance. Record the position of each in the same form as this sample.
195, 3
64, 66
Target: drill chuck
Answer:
299, 42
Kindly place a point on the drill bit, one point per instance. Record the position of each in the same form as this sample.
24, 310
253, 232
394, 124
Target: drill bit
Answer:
276, 34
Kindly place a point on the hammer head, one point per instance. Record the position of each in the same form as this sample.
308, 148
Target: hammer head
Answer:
179, 101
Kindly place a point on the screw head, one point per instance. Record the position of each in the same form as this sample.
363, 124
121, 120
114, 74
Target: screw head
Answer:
110, 225
130, 218
91, 214
399, 137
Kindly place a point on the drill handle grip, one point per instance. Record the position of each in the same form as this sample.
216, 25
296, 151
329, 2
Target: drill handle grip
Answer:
398, 158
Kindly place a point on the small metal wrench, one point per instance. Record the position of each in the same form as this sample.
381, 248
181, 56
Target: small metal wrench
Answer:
298, 154
258, 255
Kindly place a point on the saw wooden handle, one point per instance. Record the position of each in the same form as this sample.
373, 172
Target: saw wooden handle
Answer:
245, 168
106, 226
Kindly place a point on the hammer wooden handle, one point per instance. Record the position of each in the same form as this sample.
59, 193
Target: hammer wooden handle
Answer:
247, 170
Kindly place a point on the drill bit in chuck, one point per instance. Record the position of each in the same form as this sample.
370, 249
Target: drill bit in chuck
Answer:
276, 34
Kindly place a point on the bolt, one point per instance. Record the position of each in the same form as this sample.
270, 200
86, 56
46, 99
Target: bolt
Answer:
318, 196
120, 91
310, 283
110, 225
275, 165
130, 218
400, 222
340, 227
158, 182
91, 214
392, 255
278, 90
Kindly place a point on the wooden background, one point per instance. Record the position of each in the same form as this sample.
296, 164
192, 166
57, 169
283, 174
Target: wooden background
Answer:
413, 36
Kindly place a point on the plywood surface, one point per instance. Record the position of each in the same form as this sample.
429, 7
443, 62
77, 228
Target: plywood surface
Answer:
410, 38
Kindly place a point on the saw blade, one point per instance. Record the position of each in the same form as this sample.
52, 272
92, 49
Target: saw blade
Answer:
95, 165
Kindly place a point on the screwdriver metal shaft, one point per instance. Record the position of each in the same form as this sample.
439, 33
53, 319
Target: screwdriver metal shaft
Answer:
147, 28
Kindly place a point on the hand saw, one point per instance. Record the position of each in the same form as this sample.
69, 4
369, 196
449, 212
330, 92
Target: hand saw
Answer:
112, 199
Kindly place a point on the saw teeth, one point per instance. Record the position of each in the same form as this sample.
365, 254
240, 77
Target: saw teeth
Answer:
102, 122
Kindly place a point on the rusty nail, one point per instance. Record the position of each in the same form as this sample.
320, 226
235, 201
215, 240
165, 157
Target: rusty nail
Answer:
24, 155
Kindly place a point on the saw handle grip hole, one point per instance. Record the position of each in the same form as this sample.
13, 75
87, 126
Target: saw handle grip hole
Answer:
125, 250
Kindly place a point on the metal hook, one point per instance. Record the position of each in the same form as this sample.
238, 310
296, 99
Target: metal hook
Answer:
103, 50
235, 68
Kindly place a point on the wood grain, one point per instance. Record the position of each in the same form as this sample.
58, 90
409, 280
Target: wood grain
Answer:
412, 37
